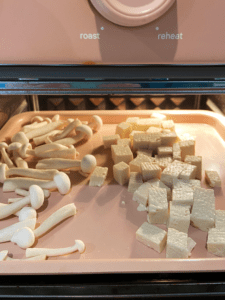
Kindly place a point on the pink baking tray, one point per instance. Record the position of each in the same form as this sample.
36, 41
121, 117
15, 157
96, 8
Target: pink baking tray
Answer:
107, 217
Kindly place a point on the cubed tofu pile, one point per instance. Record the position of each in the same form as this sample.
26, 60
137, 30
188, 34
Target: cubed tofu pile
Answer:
164, 176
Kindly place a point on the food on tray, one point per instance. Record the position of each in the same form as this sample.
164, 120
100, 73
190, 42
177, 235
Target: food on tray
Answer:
165, 151
179, 217
157, 206
135, 164
124, 142
177, 244
176, 151
109, 140
150, 171
187, 148
196, 161
123, 129
212, 178
220, 219
98, 176
121, 172
135, 181
152, 236
216, 241
183, 196
121, 153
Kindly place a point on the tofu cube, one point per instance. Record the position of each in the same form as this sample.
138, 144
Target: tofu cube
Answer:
177, 244
182, 196
121, 172
150, 171
187, 148
146, 141
132, 121
153, 129
203, 210
163, 161
168, 124
135, 164
179, 217
157, 206
144, 123
98, 176
158, 116
144, 152
168, 138
195, 161
121, 153
141, 194
165, 151
216, 242
124, 142
157, 183
190, 183
152, 236
176, 151
188, 173
171, 172
135, 181
220, 219
124, 129
212, 178
109, 140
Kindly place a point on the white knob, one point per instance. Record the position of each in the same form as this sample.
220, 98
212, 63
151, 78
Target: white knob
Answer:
132, 13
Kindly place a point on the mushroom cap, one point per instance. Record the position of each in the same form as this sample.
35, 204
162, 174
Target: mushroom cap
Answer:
36, 119
14, 146
20, 137
3, 145
27, 213
48, 120
23, 237
97, 121
3, 169
80, 245
62, 182
36, 196
3, 255
86, 130
88, 163
56, 118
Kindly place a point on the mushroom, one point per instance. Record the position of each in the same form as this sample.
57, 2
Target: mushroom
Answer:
41, 139
5, 156
96, 123
35, 198
49, 147
24, 193
86, 165
26, 150
84, 132
57, 217
14, 147
43, 130
31, 173
37, 119
67, 130
69, 153
79, 245
23, 237
61, 182
25, 213
36, 125
7, 232
56, 118
20, 137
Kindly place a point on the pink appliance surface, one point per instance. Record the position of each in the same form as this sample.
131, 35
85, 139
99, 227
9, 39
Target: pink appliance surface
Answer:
90, 32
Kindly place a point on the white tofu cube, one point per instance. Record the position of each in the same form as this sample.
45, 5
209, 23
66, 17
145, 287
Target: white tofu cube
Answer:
168, 124
157, 206
168, 138
188, 173
124, 142
141, 194
121, 153
176, 151
144, 123
220, 219
152, 236
196, 161
98, 176
121, 172
153, 129
216, 242
171, 172
135, 181
177, 245
212, 178
146, 141
157, 183
182, 196
144, 152
158, 116
203, 210
165, 150
150, 171
135, 164
187, 148
179, 217
163, 161
132, 121
190, 183
109, 140
124, 129
190, 244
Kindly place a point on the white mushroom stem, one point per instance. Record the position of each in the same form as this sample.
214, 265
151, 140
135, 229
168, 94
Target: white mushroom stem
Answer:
61, 182
23, 237
41, 139
83, 132
7, 232
58, 216
64, 153
26, 150
49, 147
24, 193
38, 257
87, 164
96, 123
25, 213
20, 163
35, 198
67, 130
43, 130
79, 246
36, 125
12, 200
32, 173
5, 156
37, 119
